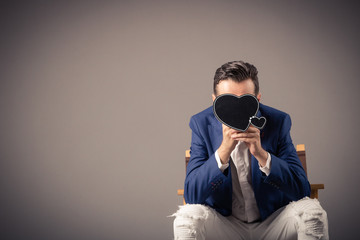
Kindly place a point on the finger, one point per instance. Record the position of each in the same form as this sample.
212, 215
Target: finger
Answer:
226, 128
245, 140
244, 135
252, 129
233, 131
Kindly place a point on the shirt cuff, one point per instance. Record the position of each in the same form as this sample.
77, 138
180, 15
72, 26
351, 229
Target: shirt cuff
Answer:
266, 169
221, 166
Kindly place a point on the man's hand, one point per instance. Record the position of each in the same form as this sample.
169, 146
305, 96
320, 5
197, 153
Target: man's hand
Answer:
252, 139
228, 144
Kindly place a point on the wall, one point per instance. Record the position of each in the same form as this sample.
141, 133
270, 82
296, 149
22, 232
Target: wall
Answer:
96, 97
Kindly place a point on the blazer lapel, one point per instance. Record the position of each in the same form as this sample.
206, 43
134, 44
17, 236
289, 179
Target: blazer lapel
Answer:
256, 172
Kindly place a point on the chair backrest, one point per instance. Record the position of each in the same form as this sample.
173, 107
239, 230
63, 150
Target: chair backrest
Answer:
300, 150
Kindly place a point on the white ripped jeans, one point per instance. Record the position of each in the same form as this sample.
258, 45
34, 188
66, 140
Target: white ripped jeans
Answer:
303, 219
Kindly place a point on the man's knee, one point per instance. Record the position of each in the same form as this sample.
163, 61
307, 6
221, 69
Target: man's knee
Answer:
189, 221
310, 217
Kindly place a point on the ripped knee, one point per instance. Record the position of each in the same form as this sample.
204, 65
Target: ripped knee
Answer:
194, 211
311, 218
189, 221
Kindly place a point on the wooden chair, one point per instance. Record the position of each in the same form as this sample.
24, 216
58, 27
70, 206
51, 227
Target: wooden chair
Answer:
300, 149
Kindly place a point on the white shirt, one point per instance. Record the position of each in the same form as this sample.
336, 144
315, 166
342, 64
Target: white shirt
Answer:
244, 205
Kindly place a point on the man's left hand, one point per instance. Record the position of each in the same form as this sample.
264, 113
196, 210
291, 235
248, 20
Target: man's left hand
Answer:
252, 139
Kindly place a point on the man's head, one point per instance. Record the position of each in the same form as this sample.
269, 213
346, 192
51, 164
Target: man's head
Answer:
236, 78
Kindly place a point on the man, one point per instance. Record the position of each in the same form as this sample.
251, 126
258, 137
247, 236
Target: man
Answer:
246, 185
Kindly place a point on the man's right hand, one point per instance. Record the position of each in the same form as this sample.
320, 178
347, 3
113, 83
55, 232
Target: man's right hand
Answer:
228, 144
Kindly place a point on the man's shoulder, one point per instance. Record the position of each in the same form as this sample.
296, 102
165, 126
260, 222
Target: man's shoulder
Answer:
204, 117
271, 112
208, 112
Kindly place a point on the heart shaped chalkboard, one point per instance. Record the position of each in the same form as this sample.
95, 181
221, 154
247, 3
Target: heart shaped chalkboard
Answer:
238, 112
258, 122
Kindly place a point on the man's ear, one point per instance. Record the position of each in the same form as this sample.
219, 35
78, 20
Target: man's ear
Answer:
213, 97
258, 96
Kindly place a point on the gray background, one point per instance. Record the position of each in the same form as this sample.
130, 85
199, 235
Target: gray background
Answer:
96, 97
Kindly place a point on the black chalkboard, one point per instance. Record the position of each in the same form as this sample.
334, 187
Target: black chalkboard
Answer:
238, 112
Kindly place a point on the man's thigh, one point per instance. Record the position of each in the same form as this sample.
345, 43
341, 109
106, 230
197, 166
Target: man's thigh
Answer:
277, 226
303, 219
195, 221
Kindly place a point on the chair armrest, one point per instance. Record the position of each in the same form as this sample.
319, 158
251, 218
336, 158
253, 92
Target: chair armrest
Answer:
180, 192
314, 190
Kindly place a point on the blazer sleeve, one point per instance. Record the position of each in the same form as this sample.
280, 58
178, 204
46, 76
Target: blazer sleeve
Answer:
203, 175
287, 173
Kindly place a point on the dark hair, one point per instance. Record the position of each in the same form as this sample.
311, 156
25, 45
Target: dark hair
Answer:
237, 71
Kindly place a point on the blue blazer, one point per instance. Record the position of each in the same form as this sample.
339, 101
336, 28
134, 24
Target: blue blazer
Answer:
206, 184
